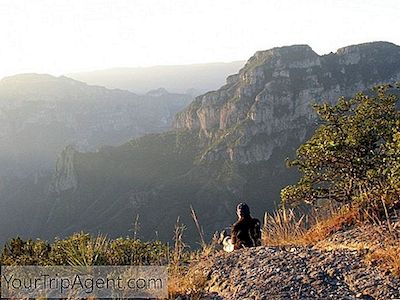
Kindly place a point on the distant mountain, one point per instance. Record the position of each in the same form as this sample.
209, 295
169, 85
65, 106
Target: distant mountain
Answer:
228, 146
41, 114
271, 98
190, 79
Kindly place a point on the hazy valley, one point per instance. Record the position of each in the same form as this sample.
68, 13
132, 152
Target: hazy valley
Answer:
192, 79
225, 146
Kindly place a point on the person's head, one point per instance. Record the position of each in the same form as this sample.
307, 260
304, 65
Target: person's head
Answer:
243, 210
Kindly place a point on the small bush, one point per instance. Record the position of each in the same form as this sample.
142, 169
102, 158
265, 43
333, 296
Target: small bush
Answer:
353, 156
81, 249
19, 252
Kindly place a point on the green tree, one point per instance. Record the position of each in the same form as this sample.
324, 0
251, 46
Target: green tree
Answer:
354, 155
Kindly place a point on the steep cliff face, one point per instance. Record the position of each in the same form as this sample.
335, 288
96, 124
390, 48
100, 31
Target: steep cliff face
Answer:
272, 95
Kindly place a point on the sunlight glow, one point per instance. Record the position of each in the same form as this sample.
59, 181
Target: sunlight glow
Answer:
61, 36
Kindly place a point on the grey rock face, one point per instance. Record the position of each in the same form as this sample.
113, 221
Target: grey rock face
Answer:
65, 178
337, 267
274, 92
297, 273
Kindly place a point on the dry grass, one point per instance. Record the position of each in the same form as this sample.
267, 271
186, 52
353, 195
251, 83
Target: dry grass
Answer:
178, 253
198, 227
185, 277
387, 254
285, 227
387, 258
382, 251
187, 282
321, 229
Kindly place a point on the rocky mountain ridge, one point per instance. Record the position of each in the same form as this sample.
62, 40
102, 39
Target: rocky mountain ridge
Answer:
272, 94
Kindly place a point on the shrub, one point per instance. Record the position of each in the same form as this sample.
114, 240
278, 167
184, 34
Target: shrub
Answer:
81, 249
354, 155
19, 252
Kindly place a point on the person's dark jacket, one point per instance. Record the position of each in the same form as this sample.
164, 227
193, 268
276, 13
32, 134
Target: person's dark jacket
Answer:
246, 232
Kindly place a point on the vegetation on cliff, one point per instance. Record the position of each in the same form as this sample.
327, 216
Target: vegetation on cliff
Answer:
354, 155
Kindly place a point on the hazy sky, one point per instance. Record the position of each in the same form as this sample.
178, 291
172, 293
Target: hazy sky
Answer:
60, 36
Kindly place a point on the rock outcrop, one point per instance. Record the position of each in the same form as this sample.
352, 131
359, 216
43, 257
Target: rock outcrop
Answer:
272, 95
64, 177
337, 267
298, 273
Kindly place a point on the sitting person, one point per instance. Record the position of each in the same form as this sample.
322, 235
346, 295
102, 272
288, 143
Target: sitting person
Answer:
246, 232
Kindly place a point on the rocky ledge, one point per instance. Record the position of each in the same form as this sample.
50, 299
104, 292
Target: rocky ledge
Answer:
334, 268
297, 273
